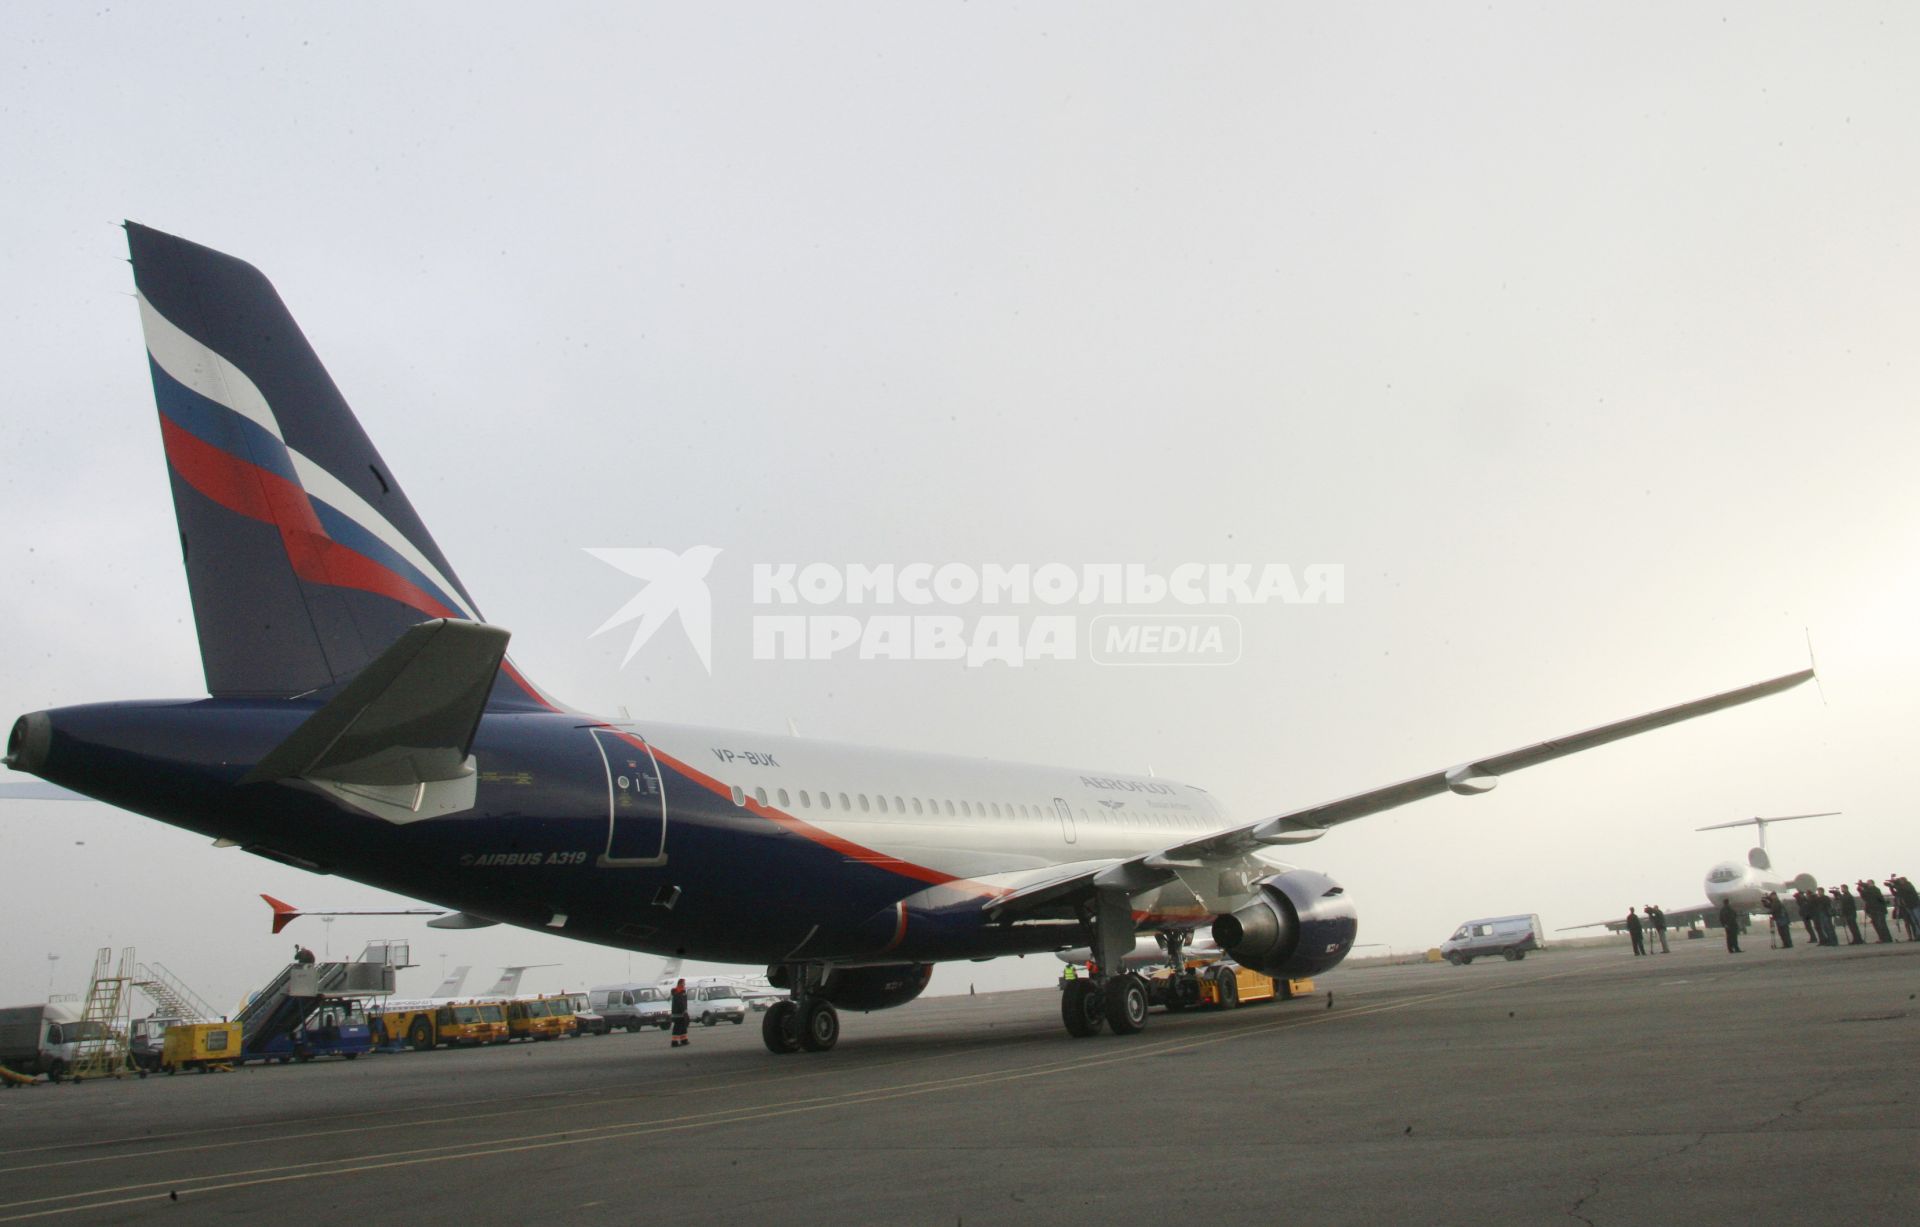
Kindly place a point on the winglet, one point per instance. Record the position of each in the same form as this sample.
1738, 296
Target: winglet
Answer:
284, 914
1812, 667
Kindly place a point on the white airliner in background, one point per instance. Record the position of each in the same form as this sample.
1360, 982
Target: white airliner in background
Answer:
1741, 883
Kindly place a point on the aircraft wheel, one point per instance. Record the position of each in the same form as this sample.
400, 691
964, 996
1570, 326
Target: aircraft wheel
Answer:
820, 1029
780, 1029
1081, 1009
1126, 1005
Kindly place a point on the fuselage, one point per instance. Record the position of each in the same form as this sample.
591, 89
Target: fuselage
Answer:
712, 844
1743, 884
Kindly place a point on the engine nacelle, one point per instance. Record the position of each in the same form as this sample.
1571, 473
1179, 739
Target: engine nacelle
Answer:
1301, 924
875, 988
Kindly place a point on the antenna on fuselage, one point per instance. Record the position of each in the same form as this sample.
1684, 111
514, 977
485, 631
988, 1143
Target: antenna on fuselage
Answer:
1762, 823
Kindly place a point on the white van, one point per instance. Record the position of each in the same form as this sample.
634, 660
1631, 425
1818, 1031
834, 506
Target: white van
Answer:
1510, 937
632, 1006
714, 1003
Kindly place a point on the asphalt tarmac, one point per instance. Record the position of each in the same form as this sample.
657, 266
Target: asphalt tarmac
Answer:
1580, 1085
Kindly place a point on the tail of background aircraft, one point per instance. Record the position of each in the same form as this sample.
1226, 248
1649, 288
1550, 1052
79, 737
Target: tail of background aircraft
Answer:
509, 982
304, 557
450, 987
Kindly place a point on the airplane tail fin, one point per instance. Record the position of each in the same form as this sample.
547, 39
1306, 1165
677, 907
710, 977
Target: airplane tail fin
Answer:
509, 982
450, 987
304, 558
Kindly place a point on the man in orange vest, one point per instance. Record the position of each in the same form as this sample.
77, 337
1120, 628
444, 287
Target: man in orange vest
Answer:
680, 1039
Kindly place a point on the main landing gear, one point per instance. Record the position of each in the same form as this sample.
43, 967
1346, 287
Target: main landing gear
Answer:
1111, 997
805, 1021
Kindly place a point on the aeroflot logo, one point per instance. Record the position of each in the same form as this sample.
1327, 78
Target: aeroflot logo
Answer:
1102, 781
1006, 613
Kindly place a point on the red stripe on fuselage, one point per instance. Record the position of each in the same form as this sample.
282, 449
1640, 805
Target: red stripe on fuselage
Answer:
246, 488
806, 830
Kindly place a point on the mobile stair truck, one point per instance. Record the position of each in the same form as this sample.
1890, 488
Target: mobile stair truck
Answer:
312, 1009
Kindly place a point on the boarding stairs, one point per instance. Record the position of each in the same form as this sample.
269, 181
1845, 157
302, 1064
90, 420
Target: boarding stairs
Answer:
171, 998
299, 990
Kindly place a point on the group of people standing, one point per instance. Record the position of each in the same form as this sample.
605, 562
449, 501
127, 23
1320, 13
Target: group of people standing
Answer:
1822, 913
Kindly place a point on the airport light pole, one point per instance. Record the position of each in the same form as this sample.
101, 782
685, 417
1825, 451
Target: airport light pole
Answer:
52, 959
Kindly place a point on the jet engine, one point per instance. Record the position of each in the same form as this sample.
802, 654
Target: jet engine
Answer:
875, 988
1301, 923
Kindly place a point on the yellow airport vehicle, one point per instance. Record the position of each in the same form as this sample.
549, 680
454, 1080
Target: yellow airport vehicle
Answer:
199, 1045
1229, 985
466, 1024
539, 1018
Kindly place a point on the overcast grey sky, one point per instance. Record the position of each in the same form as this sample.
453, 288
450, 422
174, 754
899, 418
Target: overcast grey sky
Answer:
1582, 336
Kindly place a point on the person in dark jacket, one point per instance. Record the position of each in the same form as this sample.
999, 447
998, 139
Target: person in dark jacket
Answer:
1849, 914
1782, 923
1876, 905
1730, 921
1633, 931
680, 1016
1658, 919
1804, 906
1906, 904
1823, 917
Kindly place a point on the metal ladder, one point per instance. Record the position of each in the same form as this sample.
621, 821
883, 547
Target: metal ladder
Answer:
171, 997
106, 1018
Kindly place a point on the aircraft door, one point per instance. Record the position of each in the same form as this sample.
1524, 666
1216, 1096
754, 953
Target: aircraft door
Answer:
636, 801
1066, 819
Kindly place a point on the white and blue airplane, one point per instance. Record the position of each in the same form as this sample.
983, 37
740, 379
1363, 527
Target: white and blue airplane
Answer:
363, 719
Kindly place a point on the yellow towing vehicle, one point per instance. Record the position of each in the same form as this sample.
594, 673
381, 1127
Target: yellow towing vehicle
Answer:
1218, 983
426, 1027
539, 1018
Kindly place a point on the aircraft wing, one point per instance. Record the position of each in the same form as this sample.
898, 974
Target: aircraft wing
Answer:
1141, 873
38, 791
1677, 918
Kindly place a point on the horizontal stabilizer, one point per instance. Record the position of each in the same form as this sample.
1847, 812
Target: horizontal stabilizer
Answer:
283, 913
407, 719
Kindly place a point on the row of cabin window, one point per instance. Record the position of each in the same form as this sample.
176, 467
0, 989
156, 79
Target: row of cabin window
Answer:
952, 809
